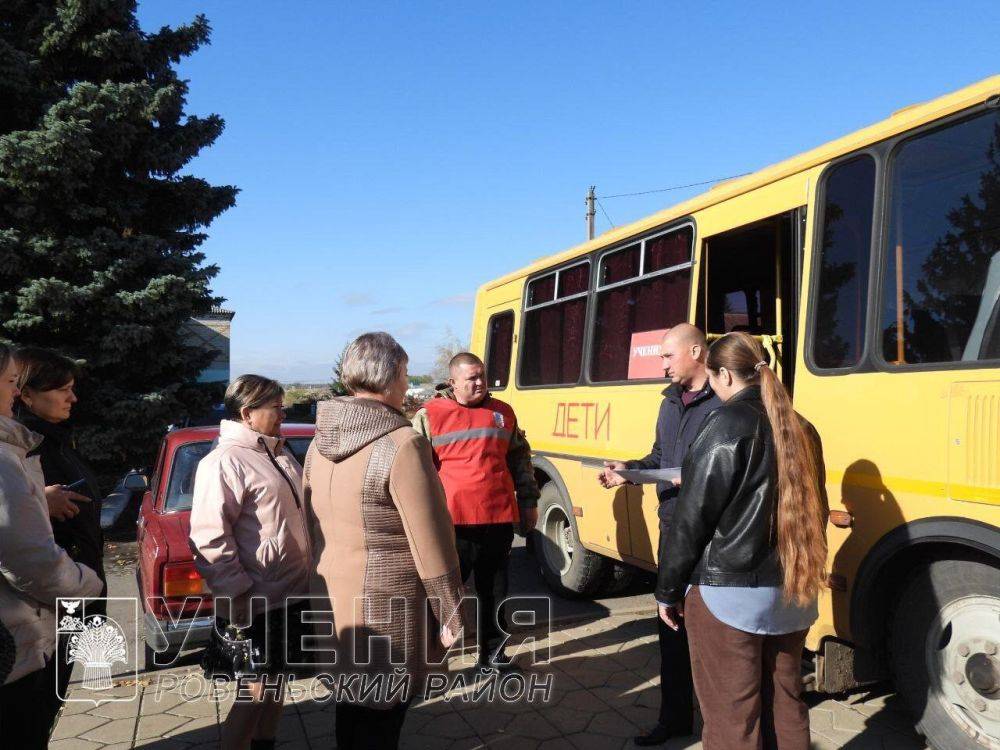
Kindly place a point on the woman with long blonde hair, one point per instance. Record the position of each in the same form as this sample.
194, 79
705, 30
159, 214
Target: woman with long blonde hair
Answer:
747, 554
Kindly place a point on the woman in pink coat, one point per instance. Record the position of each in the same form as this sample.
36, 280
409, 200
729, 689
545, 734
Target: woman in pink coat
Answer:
251, 545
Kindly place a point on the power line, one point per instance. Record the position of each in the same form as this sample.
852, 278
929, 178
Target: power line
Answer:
601, 206
675, 187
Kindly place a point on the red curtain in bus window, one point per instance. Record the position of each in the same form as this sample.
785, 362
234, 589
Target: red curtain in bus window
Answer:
553, 343
612, 335
648, 305
668, 250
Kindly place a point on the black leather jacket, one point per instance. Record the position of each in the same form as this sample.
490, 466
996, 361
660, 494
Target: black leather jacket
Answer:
723, 531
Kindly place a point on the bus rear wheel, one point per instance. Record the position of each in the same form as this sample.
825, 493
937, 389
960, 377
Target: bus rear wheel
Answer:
568, 568
945, 651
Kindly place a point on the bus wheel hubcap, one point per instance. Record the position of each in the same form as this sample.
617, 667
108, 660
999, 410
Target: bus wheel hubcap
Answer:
559, 534
963, 654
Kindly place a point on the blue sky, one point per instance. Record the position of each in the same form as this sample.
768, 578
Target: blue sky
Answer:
394, 156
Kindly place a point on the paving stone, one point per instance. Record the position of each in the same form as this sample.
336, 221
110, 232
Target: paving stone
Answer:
197, 731
848, 719
158, 743
615, 697
485, 720
583, 700
156, 725
453, 727
116, 710
74, 726
585, 741
419, 742
533, 725
502, 741
820, 718
436, 707
568, 720
466, 743
189, 710
589, 677
559, 743
643, 717
71, 707
118, 730
612, 724
72, 743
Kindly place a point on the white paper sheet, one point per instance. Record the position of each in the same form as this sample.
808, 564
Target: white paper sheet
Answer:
649, 476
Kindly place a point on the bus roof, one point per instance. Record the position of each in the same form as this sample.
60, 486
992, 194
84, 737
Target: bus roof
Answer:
900, 121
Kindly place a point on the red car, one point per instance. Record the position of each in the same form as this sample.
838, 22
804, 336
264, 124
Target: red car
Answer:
177, 608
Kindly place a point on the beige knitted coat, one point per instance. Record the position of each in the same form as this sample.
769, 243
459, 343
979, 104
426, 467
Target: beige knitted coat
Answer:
383, 543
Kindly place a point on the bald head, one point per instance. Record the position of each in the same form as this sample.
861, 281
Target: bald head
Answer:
683, 351
685, 334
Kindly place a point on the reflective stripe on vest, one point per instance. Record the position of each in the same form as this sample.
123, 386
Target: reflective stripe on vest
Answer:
470, 446
478, 432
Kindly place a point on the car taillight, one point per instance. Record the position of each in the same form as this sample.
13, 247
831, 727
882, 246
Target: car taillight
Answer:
182, 579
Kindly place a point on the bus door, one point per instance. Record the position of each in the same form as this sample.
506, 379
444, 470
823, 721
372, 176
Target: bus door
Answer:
749, 282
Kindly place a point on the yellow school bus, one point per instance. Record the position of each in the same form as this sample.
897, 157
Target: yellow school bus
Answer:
870, 269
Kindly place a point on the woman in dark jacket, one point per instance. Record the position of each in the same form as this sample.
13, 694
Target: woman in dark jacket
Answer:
71, 489
746, 555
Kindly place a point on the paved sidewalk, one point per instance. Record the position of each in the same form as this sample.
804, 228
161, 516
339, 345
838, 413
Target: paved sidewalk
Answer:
604, 691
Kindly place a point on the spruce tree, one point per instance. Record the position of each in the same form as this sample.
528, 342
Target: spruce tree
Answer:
99, 223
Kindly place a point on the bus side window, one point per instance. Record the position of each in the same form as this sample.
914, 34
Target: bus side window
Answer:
941, 286
641, 289
838, 328
555, 312
499, 343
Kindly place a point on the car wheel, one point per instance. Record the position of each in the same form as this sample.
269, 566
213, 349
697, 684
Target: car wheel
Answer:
568, 568
945, 653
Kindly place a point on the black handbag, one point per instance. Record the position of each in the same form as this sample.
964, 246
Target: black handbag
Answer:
231, 653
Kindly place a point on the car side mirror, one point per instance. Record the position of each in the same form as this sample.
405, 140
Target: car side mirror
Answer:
135, 482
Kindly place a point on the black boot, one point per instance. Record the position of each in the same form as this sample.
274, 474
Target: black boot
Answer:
496, 660
657, 736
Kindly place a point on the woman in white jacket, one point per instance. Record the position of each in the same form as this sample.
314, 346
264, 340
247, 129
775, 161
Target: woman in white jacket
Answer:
34, 572
251, 545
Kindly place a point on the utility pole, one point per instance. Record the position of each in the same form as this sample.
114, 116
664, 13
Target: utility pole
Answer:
591, 198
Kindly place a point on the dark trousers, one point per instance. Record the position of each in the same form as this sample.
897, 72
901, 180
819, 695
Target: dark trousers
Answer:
28, 707
749, 685
676, 685
485, 551
360, 728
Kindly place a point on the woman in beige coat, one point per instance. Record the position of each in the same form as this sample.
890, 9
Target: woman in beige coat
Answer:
34, 572
251, 545
383, 542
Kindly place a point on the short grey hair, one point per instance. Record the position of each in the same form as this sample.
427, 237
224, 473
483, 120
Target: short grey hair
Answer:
372, 363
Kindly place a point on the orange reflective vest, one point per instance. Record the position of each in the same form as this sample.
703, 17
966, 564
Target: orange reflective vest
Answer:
470, 452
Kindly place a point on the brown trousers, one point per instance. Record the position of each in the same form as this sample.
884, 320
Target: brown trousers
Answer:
749, 686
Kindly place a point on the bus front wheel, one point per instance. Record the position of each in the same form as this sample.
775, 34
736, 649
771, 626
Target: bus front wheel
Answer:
568, 568
945, 652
